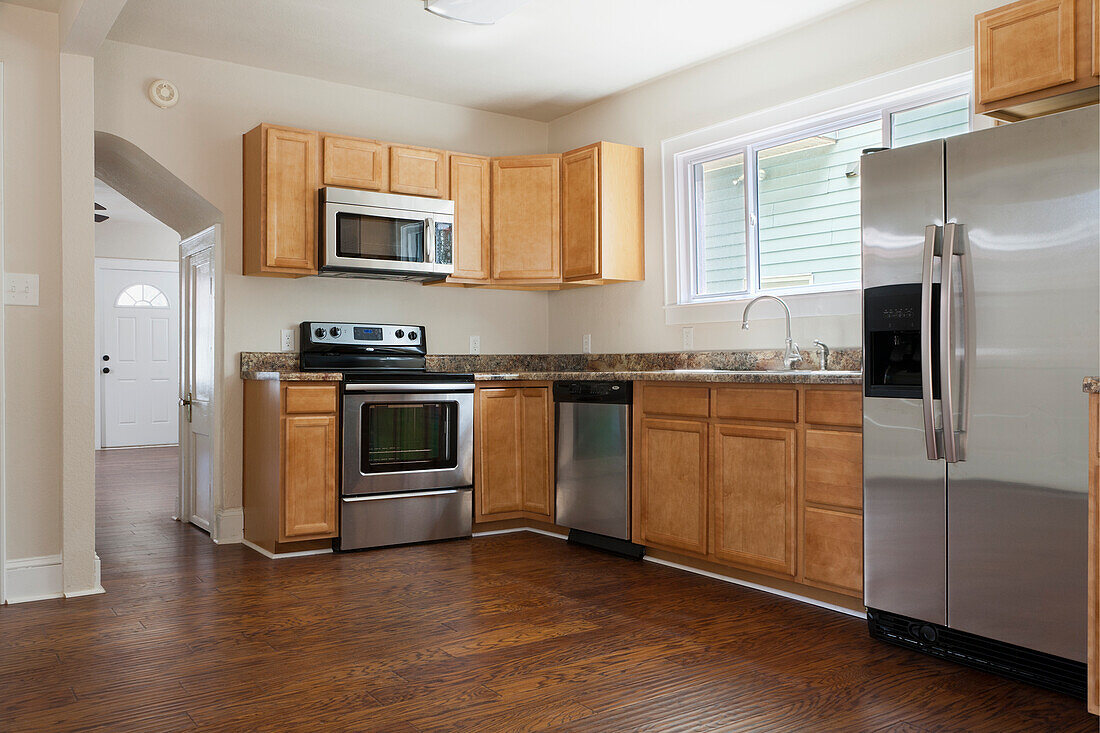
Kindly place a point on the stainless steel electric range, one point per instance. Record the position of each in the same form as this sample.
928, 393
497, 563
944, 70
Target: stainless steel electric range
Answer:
407, 445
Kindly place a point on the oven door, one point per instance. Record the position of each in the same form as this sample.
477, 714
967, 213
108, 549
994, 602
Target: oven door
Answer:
385, 240
407, 437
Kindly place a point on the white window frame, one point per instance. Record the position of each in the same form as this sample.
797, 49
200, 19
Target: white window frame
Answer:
876, 98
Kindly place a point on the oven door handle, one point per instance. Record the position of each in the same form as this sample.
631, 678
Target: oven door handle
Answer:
403, 495
406, 388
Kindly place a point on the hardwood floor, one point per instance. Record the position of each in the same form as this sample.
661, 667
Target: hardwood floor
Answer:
514, 632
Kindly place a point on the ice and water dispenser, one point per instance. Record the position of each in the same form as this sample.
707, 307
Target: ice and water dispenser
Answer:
891, 322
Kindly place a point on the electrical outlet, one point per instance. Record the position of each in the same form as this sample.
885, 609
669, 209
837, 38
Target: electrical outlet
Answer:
20, 289
688, 334
475, 344
586, 344
288, 339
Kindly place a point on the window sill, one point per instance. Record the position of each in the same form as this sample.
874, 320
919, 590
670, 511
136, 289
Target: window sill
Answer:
802, 305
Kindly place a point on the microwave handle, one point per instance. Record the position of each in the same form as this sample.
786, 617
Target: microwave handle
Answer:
429, 239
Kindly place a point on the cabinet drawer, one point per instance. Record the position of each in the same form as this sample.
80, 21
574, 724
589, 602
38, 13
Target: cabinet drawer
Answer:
310, 398
693, 401
756, 403
835, 407
833, 546
834, 468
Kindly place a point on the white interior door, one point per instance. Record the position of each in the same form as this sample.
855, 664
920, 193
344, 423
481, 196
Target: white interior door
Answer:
197, 385
139, 359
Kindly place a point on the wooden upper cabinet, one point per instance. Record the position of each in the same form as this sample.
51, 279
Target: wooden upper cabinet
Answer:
353, 162
469, 183
526, 230
309, 477
418, 171
673, 483
602, 213
281, 178
513, 473
1035, 57
753, 497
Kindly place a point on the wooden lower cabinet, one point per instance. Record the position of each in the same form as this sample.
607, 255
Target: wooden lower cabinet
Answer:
672, 459
766, 479
513, 442
290, 479
753, 500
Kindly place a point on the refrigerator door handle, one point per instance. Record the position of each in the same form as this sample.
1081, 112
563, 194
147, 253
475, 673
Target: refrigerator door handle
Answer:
931, 250
951, 249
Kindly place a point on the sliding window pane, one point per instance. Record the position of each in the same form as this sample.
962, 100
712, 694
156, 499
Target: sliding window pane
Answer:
930, 122
809, 208
720, 226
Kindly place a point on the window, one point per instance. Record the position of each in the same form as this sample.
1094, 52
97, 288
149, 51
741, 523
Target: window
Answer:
141, 296
779, 212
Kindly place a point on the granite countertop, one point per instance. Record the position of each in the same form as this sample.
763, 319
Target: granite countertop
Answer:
1091, 385
291, 376
761, 367
794, 376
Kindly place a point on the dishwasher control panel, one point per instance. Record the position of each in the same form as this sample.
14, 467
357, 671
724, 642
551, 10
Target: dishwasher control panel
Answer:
616, 393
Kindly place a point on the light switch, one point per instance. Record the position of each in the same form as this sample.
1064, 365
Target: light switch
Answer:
20, 289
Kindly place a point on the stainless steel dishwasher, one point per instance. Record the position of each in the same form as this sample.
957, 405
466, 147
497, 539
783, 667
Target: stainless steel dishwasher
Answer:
593, 463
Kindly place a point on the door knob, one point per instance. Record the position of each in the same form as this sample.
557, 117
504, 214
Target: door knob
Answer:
106, 370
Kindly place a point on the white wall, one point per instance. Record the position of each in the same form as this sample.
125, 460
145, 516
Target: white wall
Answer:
32, 244
199, 140
136, 241
865, 41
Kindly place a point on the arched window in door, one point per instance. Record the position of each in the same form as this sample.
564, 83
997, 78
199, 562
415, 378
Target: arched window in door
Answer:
141, 295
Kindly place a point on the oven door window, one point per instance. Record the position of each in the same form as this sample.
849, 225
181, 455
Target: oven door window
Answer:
367, 237
409, 436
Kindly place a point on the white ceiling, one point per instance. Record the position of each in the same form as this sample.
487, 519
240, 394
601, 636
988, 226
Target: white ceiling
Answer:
545, 60
121, 209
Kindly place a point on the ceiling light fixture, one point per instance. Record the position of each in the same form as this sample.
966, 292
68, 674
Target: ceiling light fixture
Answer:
477, 12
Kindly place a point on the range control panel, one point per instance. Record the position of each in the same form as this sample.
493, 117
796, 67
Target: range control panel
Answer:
366, 335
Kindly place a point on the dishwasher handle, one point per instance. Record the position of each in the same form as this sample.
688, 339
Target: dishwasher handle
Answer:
594, 390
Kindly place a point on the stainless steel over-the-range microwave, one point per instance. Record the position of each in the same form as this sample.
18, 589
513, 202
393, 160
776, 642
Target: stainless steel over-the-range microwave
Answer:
385, 235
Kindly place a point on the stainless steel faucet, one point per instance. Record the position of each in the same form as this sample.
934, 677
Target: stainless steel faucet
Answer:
824, 350
791, 357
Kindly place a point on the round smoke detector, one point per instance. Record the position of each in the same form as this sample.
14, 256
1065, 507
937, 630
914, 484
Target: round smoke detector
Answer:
163, 93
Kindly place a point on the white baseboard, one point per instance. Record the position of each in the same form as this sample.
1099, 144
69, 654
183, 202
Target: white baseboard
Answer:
229, 526
757, 586
33, 579
95, 589
284, 555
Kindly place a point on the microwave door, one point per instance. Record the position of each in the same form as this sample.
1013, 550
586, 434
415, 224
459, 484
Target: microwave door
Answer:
376, 239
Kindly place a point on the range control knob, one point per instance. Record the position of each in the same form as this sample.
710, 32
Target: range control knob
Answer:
399, 333
412, 335
319, 332
335, 332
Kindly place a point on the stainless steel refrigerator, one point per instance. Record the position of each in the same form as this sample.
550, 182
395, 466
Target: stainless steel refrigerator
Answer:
981, 285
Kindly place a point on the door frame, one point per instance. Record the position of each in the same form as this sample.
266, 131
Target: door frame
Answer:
3, 393
118, 263
209, 238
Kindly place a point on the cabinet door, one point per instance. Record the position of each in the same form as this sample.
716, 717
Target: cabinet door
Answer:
753, 494
355, 163
309, 476
580, 213
535, 413
470, 192
1025, 47
290, 207
674, 485
418, 171
499, 469
833, 547
527, 218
